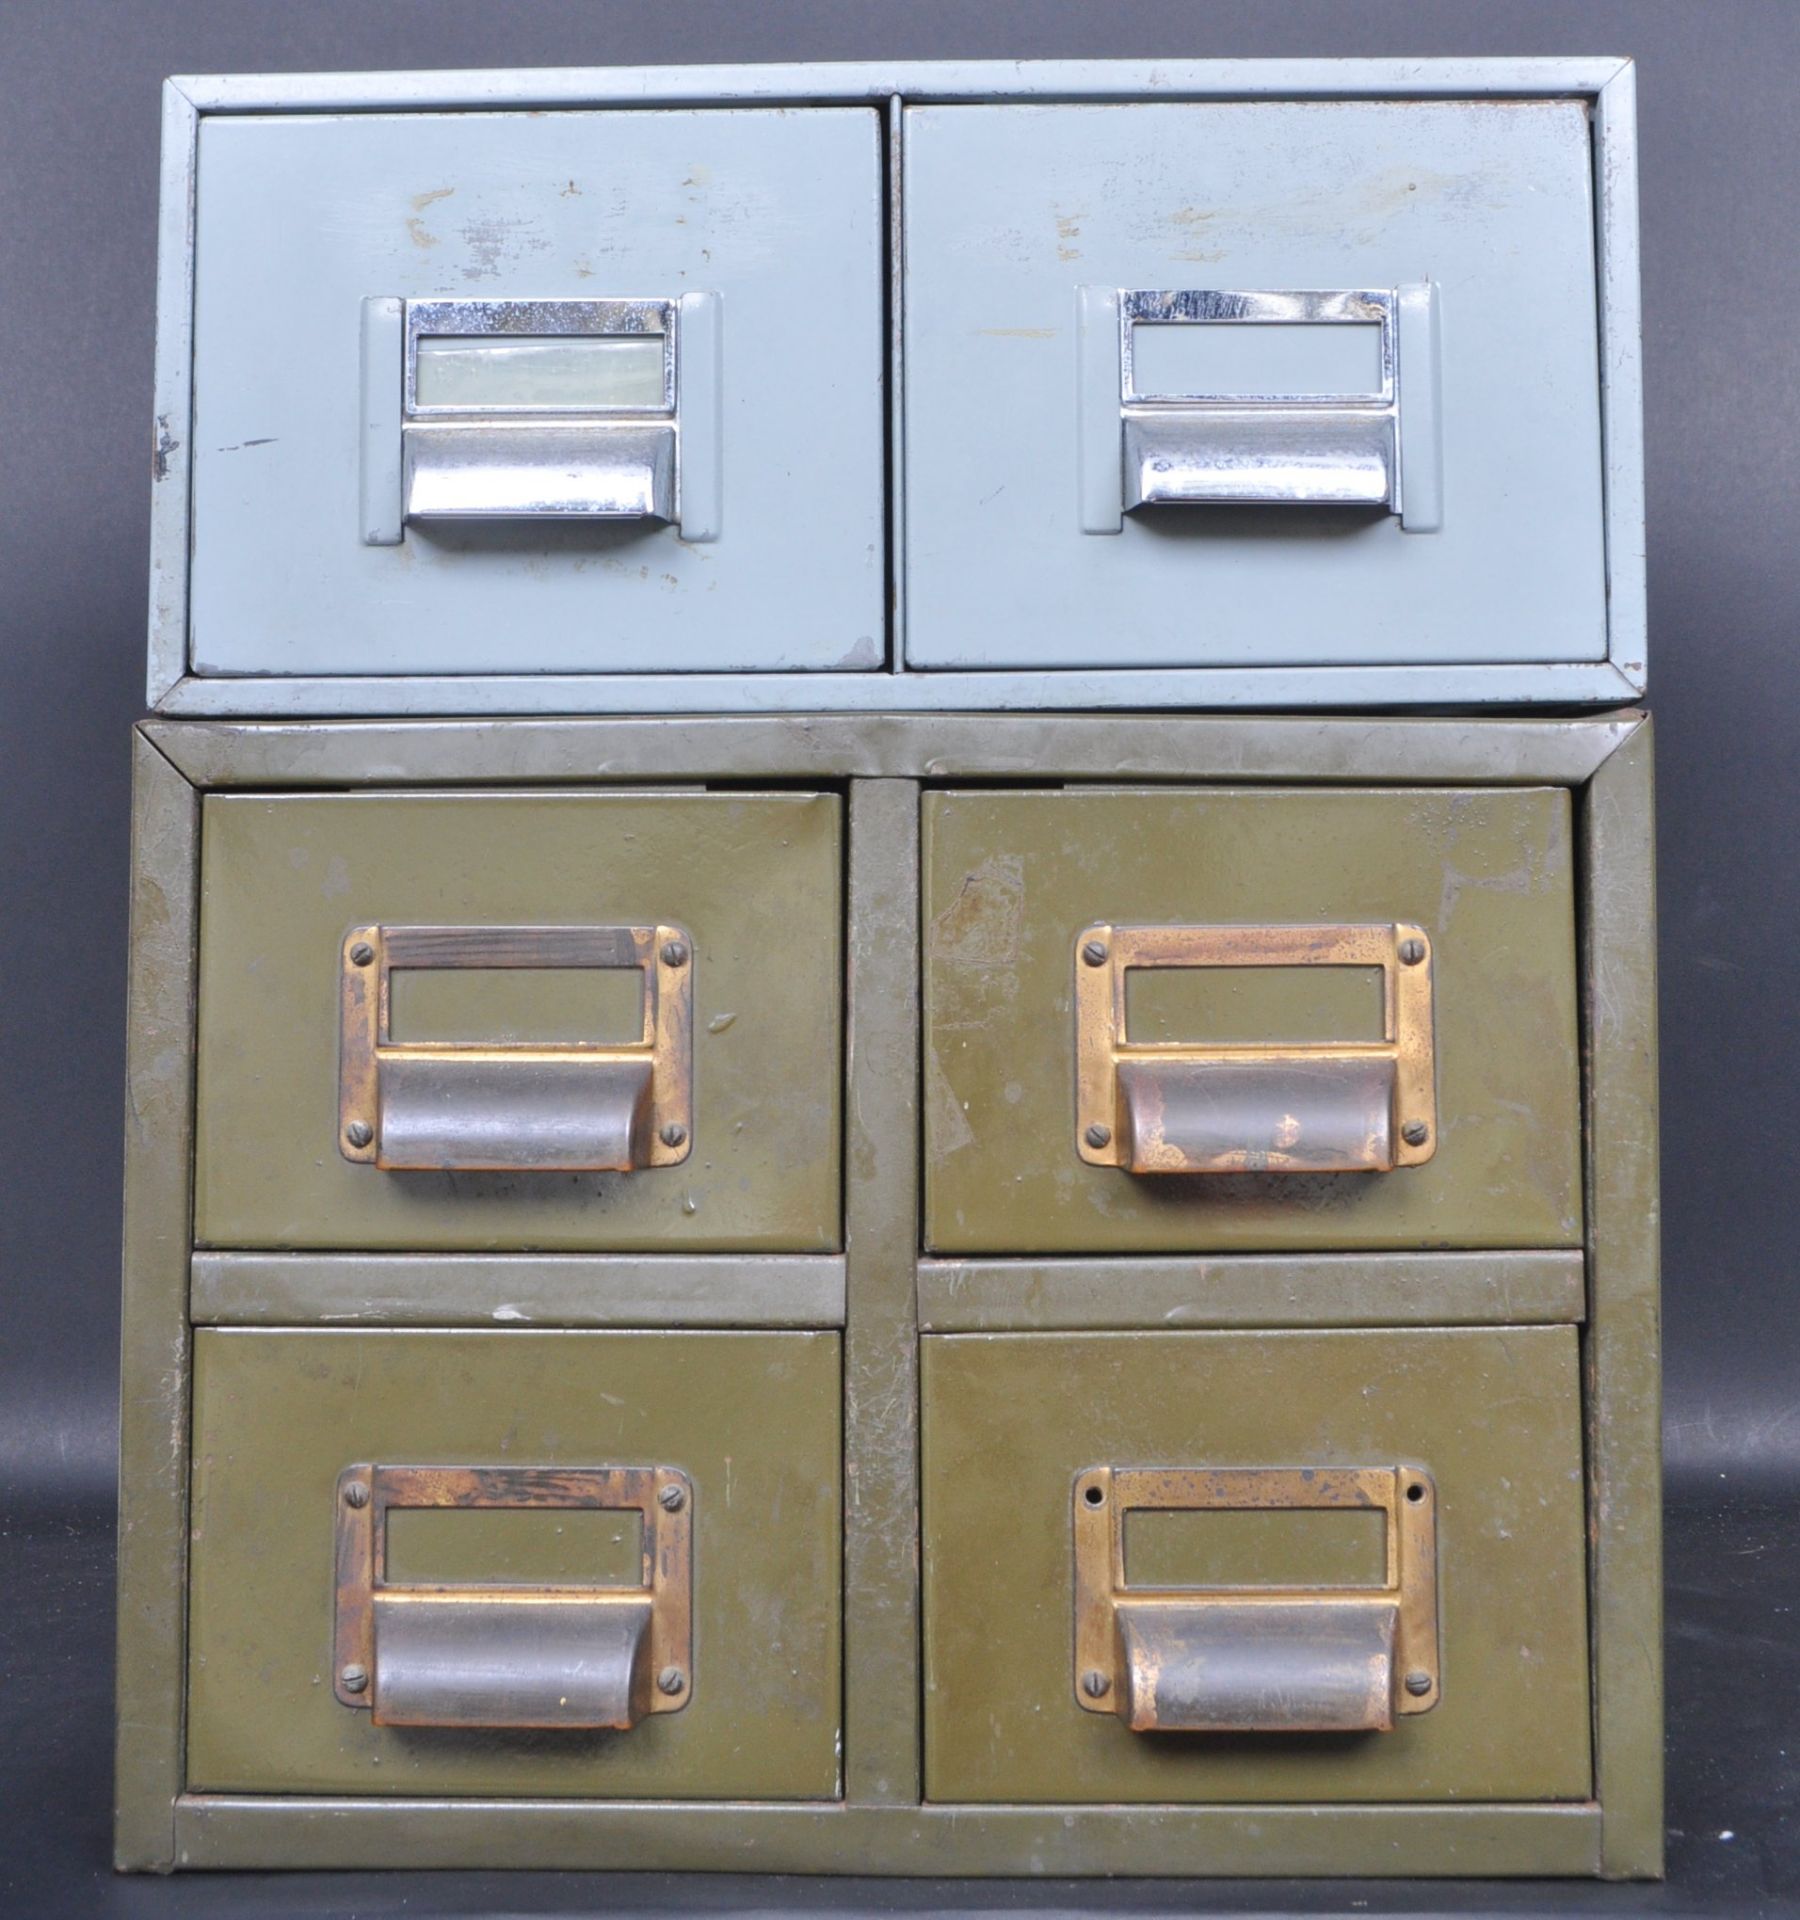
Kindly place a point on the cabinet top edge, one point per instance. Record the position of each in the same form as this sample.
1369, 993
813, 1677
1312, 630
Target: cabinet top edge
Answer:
825, 82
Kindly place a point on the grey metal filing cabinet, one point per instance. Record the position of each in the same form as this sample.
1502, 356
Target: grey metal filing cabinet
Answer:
733, 1048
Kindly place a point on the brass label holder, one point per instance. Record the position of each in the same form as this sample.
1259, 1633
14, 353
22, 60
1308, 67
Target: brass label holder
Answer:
1256, 1659
1172, 1107
473, 1655
517, 1108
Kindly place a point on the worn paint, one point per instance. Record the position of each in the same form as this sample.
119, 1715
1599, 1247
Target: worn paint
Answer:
1015, 1175
1004, 228
754, 880
280, 1416
299, 218
1012, 1424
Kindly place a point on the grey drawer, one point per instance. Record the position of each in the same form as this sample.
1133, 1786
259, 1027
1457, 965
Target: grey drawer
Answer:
537, 392
1253, 384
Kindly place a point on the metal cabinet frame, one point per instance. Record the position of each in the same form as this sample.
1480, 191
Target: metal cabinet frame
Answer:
1607, 86
885, 1297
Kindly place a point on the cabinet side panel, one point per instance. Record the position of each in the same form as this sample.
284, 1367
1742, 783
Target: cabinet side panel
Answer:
154, 1342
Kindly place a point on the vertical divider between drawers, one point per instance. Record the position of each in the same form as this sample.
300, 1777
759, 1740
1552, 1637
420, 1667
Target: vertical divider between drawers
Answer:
881, 1396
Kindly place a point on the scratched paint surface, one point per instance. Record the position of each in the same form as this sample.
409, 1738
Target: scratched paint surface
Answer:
753, 878
300, 217
1009, 1420
1011, 878
752, 1419
1010, 209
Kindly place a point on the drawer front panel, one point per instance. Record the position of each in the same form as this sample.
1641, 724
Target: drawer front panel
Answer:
1203, 1687
1319, 374
1159, 1020
601, 1021
571, 392
515, 1479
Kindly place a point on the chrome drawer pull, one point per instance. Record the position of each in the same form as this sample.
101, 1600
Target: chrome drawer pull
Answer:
1149, 442
540, 410
568, 1108
1166, 1107
507, 1656
1256, 1660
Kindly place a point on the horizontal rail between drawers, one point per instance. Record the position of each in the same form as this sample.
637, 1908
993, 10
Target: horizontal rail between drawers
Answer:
231, 1832
1254, 1290
1043, 748
517, 1290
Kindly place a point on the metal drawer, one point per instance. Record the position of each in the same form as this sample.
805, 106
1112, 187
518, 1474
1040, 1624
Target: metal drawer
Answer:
1210, 1018
519, 1020
1320, 379
502, 1564
531, 392
1353, 1567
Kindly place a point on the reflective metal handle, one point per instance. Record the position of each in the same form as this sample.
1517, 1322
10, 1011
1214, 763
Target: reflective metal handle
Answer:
1142, 447
456, 1107
499, 1656
1256, 1660
540, 410
1176, 1108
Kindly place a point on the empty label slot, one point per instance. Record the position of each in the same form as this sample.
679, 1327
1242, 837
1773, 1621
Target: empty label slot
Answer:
560, 373
1282, 1547
1236, 360
514, 1546
550, 1006
1254, 1006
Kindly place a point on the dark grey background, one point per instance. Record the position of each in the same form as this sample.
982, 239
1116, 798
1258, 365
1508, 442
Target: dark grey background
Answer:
1720, 172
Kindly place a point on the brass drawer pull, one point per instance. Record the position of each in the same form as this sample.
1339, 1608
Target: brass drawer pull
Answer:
1177, 1108
570, 1108
1256, 1659
498, 1656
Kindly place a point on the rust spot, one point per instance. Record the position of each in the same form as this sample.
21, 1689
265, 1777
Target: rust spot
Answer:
981, 927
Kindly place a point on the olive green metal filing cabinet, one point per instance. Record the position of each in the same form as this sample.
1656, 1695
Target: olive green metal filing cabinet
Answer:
783, 1211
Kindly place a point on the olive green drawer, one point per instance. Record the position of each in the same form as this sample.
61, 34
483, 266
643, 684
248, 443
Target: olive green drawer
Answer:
302, 1438
1259, 1435
1213, 1019
619, 1031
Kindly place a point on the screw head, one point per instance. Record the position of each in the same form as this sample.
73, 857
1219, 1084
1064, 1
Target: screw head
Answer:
672, 1135
671, 1680
1095, 1684
1094, 953
672, 1499
356, 1494
675, 953
359, 1133
1415, 1133
1097, 1135
1412, 952
1418, 1684
354, 1679
362, 953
